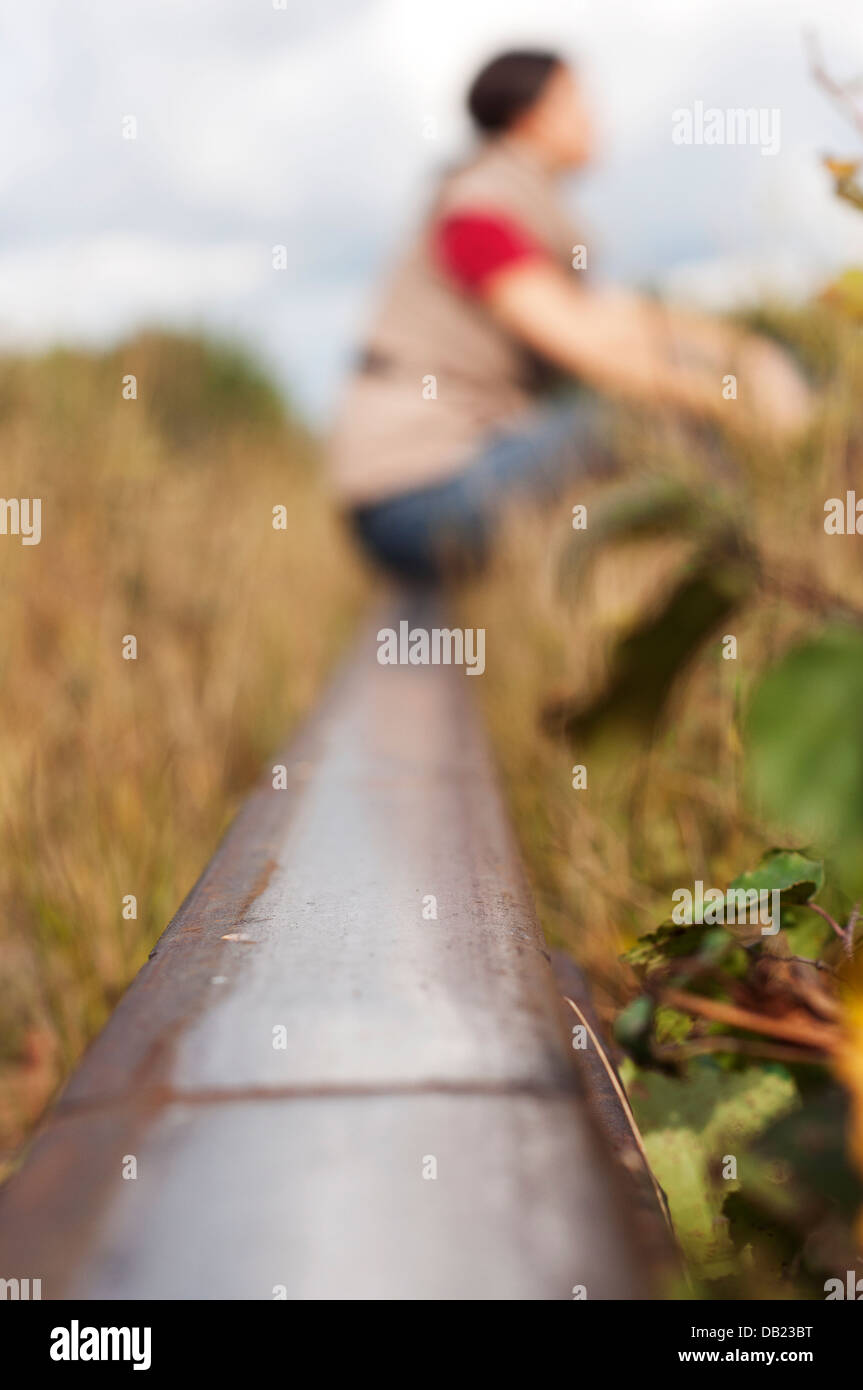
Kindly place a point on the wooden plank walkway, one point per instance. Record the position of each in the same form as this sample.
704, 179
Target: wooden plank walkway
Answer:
329, 1093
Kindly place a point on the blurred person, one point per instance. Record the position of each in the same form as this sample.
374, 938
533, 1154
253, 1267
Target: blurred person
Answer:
441, 424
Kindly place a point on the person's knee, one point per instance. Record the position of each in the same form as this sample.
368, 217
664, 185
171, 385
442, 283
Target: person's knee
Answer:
393, 547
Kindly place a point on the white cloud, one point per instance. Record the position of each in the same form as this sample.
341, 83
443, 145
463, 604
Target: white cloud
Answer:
96, 287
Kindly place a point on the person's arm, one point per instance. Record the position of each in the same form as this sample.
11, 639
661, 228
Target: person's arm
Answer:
626, 345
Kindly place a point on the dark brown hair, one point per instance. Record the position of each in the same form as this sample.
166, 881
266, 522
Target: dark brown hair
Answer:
509, 85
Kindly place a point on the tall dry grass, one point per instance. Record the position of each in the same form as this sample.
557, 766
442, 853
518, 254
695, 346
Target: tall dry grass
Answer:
116, 776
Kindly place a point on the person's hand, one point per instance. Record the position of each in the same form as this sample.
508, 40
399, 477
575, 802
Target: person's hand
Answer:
777, 402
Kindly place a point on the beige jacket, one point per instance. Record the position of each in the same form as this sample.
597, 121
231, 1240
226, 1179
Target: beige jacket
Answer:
442, 373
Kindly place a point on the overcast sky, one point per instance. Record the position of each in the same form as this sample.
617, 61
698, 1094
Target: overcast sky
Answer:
319, 125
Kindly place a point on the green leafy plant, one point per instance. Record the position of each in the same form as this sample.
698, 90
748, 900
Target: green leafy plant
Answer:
804, 741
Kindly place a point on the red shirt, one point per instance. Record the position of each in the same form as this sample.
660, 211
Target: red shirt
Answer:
473, 247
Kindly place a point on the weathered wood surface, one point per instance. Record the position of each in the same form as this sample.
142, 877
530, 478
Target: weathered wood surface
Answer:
406, 1039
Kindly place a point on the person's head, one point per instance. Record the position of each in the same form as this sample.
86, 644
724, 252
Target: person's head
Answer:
534, 96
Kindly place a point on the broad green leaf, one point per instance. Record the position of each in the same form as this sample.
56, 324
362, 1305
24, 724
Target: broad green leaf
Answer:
804, 747
806, 934
786, 871
812, 1140
687, 1125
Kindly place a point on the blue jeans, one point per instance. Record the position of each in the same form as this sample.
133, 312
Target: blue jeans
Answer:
449, 525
